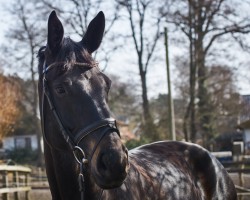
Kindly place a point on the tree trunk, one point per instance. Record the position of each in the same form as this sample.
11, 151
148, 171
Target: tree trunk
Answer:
203, 105
149, 129
145, 103
40, 158
190, 115
192, 98
185, 123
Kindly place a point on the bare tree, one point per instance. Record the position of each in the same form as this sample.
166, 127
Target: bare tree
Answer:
141, 19
225, 99
204, 22
25, 33
122, 100
224, 103
186, 93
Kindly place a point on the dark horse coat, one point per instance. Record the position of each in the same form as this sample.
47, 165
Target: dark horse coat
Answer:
174, 170
74, 111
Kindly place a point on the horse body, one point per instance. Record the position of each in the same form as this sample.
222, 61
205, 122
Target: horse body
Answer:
84, 156
174, 171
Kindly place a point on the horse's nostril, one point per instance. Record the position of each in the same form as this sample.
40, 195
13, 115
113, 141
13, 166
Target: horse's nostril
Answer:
110, 160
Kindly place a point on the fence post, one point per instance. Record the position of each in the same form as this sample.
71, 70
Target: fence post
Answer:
16, 181
6, 184
27, 184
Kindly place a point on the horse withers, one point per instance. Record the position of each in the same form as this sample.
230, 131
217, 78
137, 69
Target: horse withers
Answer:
84, 156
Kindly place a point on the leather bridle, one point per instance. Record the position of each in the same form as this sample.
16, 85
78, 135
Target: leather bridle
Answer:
103, 125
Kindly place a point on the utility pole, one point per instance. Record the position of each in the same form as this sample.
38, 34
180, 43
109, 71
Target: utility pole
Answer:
170, 100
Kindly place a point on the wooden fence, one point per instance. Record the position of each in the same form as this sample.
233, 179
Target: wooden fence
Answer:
14, 179
241, 168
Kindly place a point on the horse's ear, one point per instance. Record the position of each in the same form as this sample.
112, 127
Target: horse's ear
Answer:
93, 36
55, 33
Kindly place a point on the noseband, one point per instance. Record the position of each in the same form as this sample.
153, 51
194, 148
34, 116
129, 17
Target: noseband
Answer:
103, 125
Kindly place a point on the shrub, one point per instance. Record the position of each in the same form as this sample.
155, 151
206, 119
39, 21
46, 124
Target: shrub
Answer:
22, 156
135, 143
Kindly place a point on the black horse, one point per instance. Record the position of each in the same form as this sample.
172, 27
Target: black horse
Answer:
84, 156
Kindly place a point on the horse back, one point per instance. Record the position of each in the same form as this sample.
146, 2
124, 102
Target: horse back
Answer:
174, 170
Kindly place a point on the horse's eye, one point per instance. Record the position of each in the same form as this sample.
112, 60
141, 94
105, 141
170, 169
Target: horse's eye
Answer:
60, 90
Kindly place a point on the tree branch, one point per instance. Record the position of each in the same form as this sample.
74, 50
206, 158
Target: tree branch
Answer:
230, 29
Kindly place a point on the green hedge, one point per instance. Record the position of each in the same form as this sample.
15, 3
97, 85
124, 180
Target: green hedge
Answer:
22, 156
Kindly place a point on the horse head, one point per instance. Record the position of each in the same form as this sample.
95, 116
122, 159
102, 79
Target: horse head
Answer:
76, 92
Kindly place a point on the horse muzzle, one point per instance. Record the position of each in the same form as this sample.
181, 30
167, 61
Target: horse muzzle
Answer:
112, 167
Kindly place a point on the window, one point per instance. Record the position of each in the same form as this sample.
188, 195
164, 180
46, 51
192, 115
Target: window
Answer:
23, 143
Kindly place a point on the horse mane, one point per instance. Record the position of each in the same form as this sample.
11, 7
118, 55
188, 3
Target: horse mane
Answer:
70, 53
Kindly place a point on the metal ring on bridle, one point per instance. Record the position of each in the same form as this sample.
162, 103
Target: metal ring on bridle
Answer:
79, 155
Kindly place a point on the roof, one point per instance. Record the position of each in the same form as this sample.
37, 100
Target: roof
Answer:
231, 136
245, 124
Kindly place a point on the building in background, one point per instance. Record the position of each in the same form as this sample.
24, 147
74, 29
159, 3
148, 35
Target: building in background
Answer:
245, 113
20, 142
245, 127
244, 122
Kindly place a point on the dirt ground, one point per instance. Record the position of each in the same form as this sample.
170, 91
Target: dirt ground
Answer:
38, 194
43, 194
